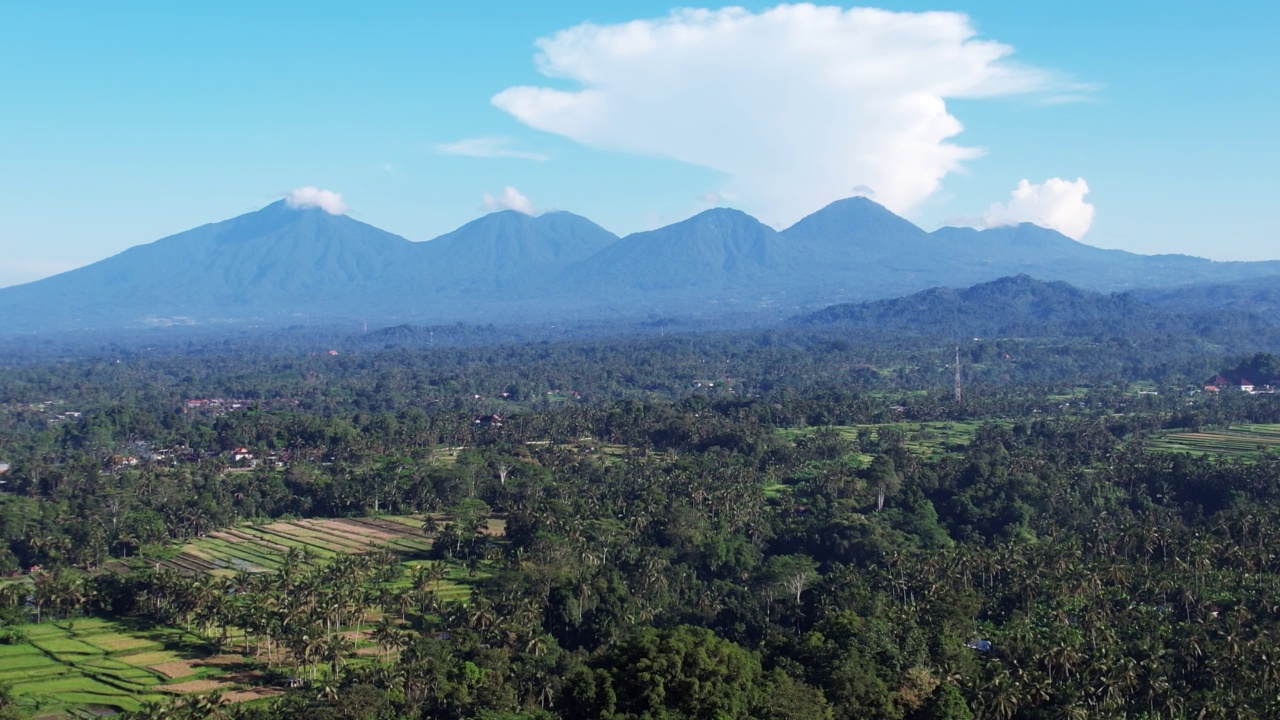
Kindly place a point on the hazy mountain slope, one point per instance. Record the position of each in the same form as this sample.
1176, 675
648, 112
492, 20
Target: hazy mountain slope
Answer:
272, 262
1042, 252
281, 266
857, 249
507, 250
1019, 306
1254, 295
715, 251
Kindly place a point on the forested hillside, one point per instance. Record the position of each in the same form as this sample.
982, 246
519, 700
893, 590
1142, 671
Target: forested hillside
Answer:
781, 524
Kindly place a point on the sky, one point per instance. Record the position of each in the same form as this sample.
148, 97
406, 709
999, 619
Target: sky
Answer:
1144, 126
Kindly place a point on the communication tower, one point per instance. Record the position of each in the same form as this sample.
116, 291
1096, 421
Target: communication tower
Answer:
959, 396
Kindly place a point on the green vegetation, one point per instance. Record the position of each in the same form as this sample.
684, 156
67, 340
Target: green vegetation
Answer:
93, 662
927, 438
832, 535
1244, 440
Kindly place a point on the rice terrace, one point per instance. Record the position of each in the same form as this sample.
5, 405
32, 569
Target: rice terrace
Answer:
227, 596
91, 666
259, 548
1244, 440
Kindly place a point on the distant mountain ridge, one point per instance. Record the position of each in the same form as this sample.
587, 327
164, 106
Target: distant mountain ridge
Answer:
713, 250
282, 266
1022, 306
508, 248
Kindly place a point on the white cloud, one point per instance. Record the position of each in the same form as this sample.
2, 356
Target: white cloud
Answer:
1056, 203
509, 199
488, 147
313, 197
797, 105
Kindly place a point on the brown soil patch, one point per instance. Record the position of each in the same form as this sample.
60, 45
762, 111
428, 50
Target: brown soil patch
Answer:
194, 686
255, 694
147, 659
176, 669
309, 535
223, 660
361, 531
183, 668
254, 539
394, 527
320, 533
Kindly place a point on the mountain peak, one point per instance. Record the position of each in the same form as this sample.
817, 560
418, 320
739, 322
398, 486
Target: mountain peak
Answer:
300, 259
853, 215
508, 248
722, 219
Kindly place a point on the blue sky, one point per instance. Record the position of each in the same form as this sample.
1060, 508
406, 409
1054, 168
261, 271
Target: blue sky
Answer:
121, 123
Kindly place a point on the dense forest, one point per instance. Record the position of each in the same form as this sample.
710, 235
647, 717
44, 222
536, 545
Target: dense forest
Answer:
796, 522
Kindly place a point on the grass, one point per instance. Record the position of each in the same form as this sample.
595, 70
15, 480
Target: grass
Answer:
1245, 440
71, 664
68, 665
927, 438
262, 548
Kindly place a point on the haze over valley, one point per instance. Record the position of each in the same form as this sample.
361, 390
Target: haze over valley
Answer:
290, 264
623, 361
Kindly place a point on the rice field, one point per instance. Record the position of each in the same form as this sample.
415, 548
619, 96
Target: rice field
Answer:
95, 666
927, 438
1243, 440
262, 548
103, 666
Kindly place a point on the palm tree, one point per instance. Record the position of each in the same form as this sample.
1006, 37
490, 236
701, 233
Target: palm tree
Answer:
335, 651
384, 635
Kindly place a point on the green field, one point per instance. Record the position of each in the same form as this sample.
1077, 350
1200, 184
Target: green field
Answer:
91, 662
928, 438
262, 548
96, 666
1243, 440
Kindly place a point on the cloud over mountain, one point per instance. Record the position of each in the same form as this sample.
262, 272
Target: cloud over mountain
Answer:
314, 197
1056, 203
509, 199
797, 105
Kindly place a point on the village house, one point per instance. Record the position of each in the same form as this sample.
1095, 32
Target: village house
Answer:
243, 458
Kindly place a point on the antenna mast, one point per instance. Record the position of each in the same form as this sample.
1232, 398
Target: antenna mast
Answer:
958, 394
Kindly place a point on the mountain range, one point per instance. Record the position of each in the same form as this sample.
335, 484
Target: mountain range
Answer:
1022, 306
283, 266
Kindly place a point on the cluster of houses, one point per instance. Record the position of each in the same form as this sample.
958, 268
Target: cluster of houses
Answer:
1220, 383
214, 406
49, 406
243, 457
724, 384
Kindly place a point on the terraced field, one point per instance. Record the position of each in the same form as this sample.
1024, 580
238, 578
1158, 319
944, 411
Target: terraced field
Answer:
1243, 440
928, 438
92, 666
261, 548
